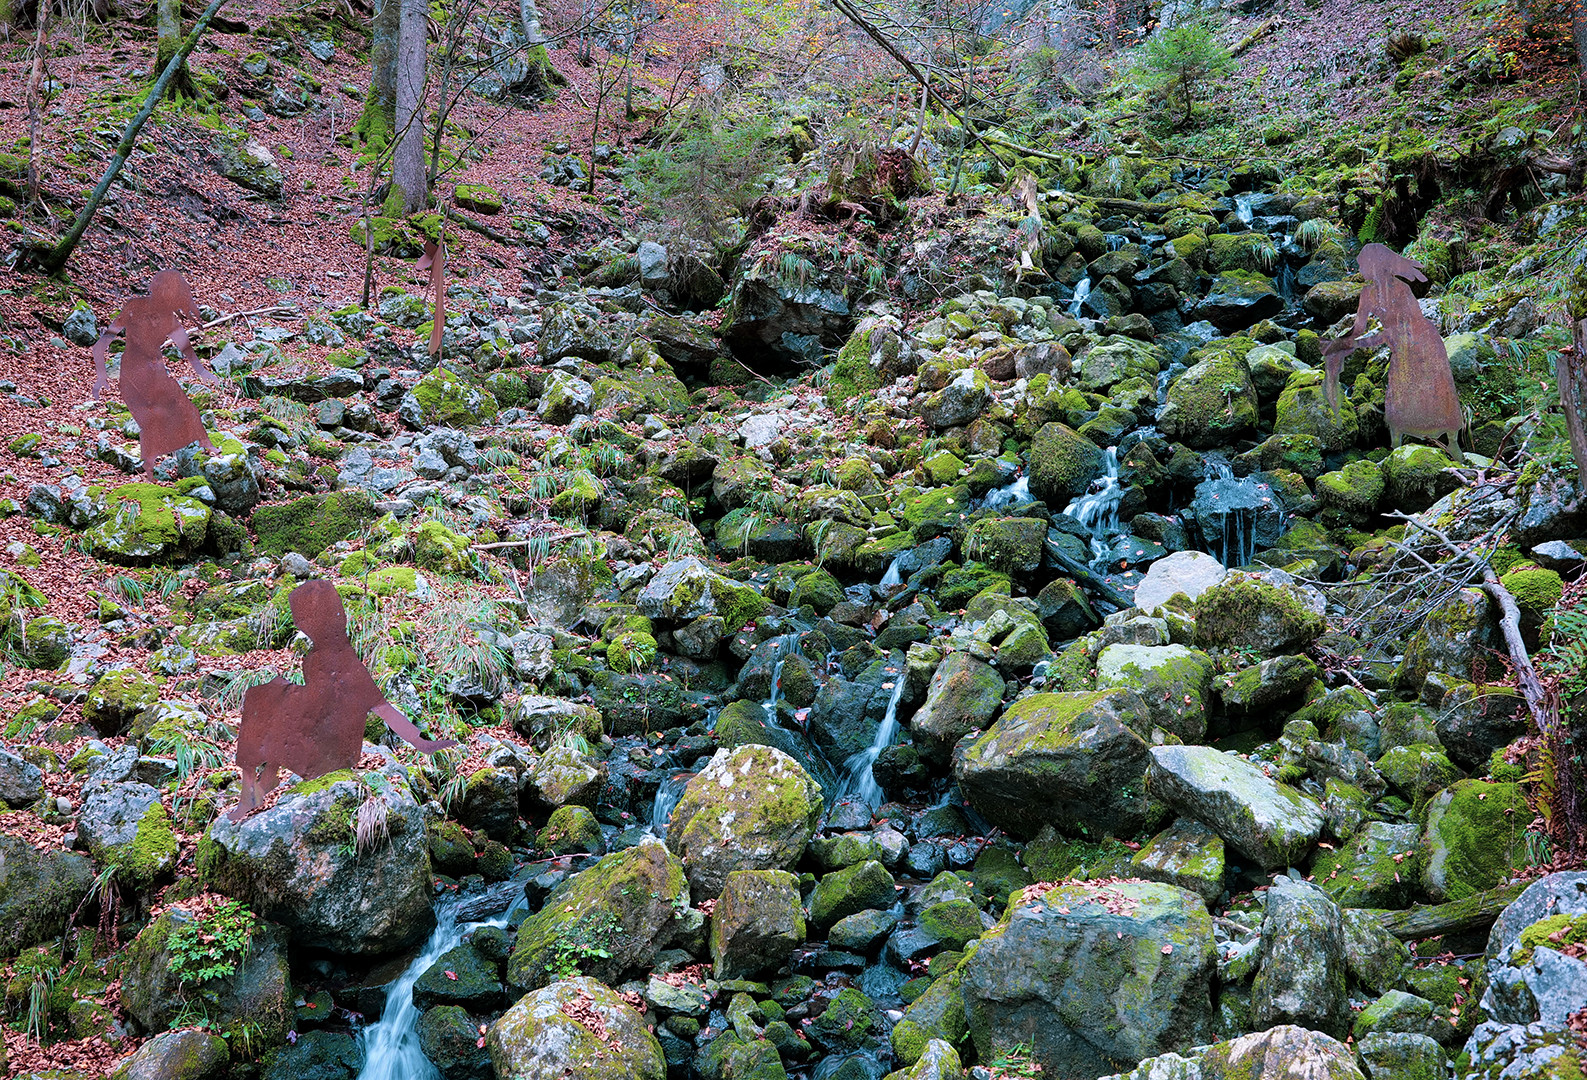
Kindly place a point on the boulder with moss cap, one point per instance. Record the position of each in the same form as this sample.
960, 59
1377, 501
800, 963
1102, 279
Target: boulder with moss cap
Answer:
1266, 821
576, 1029
753, 808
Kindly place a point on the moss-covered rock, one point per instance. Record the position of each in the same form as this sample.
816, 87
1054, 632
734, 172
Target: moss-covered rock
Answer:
964, 694
118, 697
445, 399
1474, 838
1414, 478
605, 921
757, 924
1417, 772
542, 1037
1174, 682
1376, 868
1188, 855
1007, 545
1093, 978
148, 522
1245, 612
1062, 463
753, 808
313, 523
1211, 404
687, 589
39, 890
1067, 760
1302, 410
1355, 490
571, 829
853, 889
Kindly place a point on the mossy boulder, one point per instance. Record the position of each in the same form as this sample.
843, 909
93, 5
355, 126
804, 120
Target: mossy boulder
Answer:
1376, 868
1266, 821
753, 808
542, 1037
1302, 410
1092, 978
1474, 839
1174, 682
1414, 477
571, 829
1284, 1052
1067, 760
444, 399
1062, 463
964, 694
1417, 772
606, 921
1354, 491
1211, 404
312, 523
687, 589
1244, 611
1008, 545
861, 887
188, 1054
118, 697
148, 522
1116, 360
1302, 977
39, 890
300, 863
757, 924
257, 994
1188, 855
1450, 641
481, 198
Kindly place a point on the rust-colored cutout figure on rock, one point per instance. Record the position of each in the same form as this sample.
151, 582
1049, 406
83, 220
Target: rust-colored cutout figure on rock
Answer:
1420, 398
167, 419
316, 728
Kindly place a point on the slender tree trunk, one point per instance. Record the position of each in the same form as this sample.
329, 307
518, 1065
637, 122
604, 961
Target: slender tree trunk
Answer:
168, 41
52, 261
379, 118
1579, 35
410, 187
36, 102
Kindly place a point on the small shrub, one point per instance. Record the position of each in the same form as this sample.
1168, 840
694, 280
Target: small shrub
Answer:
211, 947
1177, 62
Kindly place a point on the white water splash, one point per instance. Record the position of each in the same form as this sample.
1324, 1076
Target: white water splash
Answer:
1098, 510
859, 771
1014, 494
1082, 291
391, 1044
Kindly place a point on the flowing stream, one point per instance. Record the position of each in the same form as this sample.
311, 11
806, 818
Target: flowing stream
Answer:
1098, 510
391, 1044
859, 772
1013, 494
1082, 291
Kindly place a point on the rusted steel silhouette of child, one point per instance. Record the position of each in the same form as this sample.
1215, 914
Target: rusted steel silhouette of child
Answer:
318, 727
167, 420
1420, 398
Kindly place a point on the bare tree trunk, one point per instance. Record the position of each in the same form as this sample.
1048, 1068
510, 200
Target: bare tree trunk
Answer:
408, 179
379, 118
1571, 370
168, 41
1579, 35
35, 102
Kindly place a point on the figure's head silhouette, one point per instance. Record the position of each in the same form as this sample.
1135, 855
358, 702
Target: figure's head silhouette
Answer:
1381, 265
171, 291
317, 611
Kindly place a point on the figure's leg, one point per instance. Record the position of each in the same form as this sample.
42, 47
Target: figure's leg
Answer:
248, 798
407, 731
1454, 447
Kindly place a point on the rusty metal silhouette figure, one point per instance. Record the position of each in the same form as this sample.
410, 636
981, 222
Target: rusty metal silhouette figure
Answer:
318, 727
167, 419
1420, 398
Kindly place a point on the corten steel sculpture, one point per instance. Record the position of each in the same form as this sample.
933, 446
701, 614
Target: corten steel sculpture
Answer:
1420, 398
167, 419
318, 727
434, 260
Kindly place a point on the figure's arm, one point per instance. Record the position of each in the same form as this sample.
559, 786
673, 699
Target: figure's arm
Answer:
407, 731
184, 346
101, 353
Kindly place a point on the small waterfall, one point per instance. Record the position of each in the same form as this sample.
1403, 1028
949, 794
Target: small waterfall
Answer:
1284, 281
1242, 209
1115, 240
1234, 516
894, 576
1082, 292
859, 778
667, 797
1098, 510
1014, 494
391, 1044
784, 646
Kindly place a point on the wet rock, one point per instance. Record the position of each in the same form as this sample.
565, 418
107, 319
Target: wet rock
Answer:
21, 782
1062, 463
316, 1055
1188, 855
537, 1039
449, 1037
1189, 572
1212, 403
297, 863
462, 977
1285, 1052
1062, 759
964, 695
845, 892
189, 1054
1268, 822
1048, 976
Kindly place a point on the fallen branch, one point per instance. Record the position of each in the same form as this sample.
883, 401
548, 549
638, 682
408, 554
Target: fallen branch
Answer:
1253, 37
1089, 579
274, 309
1530, 685
1471, 915
478, 226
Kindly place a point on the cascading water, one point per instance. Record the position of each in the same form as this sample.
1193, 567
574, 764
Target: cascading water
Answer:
894, 576
859, 771
1242, 209
1235, 516
1098, 510
391, 1044
667, 798
1082, 292
1115, 240
783, 647
1014, 494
